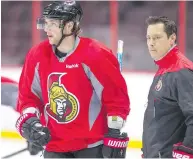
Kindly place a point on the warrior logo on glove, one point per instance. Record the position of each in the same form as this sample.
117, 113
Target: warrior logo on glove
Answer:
63, 106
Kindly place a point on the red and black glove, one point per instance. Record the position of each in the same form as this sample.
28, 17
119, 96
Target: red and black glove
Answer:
115, 144
29, 127
181, 151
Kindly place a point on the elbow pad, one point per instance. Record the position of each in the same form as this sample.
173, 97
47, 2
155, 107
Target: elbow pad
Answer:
115, 122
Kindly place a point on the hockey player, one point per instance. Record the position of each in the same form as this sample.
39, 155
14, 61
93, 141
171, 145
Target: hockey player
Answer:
76, 85
168, 120
9, 95
9, 92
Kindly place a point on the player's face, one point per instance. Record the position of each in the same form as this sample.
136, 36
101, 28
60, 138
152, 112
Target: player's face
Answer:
53, 30
157, 41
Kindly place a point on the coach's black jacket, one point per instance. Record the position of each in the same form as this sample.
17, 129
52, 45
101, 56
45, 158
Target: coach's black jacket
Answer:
168, 118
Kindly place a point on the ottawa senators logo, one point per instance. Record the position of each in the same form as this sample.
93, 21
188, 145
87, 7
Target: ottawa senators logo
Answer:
159, 85
63, 106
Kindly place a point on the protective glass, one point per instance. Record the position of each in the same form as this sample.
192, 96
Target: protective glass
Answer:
42, 23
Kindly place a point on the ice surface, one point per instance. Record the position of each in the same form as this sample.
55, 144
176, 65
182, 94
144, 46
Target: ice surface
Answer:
9, 146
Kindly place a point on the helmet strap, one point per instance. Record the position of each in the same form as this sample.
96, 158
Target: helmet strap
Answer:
64, 35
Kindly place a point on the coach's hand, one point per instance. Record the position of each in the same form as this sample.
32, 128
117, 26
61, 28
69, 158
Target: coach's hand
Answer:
181, 151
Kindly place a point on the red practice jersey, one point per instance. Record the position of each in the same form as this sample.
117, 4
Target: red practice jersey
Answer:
75, 94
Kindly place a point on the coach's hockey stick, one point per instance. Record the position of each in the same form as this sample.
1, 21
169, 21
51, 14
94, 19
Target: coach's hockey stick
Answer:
120, 53
15, 153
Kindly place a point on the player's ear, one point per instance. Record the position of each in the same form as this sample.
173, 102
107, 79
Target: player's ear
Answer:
172, 39
69, 26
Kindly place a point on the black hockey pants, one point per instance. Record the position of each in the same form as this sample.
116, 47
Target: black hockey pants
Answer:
94, 152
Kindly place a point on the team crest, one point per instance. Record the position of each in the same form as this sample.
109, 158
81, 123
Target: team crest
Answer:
158, 85
63, 106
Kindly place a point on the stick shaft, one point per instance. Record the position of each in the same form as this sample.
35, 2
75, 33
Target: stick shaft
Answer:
15, 153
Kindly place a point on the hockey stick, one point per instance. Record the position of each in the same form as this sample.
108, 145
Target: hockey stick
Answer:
15, 153
120, 53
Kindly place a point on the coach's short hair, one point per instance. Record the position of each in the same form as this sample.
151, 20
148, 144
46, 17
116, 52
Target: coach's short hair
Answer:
169, 25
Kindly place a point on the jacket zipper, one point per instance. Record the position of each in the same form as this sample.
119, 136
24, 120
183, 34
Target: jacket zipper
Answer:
159, 154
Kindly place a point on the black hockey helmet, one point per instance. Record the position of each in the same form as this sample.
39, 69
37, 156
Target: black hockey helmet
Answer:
66, 11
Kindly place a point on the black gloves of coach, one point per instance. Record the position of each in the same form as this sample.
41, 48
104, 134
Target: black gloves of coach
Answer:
29, 127
115, 144
181, 151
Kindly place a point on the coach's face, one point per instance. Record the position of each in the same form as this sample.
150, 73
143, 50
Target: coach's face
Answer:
158, 42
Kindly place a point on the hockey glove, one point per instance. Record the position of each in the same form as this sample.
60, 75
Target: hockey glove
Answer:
29, 127
33, 149
181, 151
115, 144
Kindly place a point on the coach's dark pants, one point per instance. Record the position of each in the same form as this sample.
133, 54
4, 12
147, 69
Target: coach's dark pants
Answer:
94, 152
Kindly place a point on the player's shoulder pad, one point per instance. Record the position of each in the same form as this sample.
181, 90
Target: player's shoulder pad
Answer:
39, 49
98, 49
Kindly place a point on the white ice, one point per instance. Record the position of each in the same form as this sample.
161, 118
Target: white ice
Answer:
9, 146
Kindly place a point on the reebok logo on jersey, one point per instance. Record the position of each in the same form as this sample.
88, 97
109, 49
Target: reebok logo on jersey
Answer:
72, 66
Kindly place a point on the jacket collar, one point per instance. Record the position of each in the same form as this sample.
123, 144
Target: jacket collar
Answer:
169, 58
